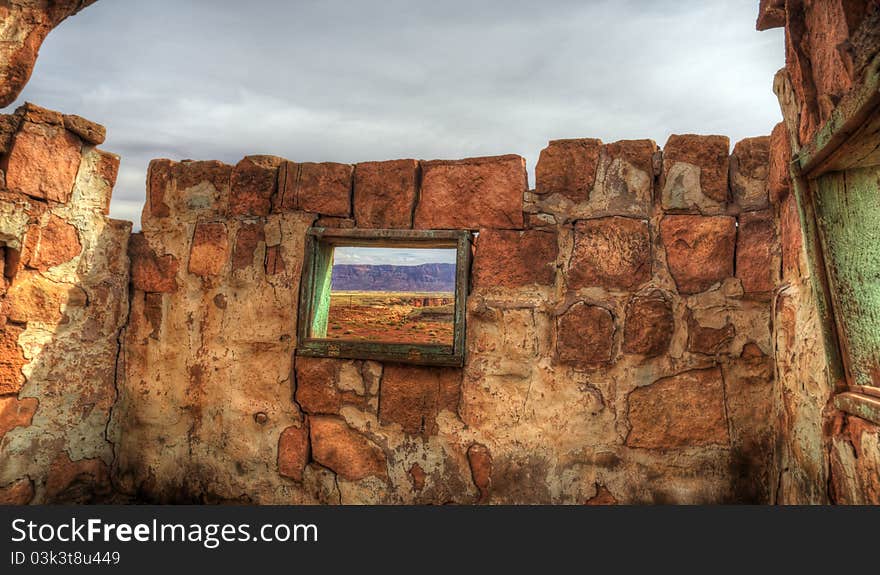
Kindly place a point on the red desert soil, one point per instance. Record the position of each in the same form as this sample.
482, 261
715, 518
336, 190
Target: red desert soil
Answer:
395, 317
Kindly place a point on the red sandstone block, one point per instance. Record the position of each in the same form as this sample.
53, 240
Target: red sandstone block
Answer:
709, 340
286, 200
791, 236
568, 167
159, 178
247, 240
20, 492
9, 124
612, 252
749, 168
771, 14
699, 250
755, 245
649, 325
15, 412
779, 178
585, 335
637, 153
210, 249
293, 451
89, 131
325, 188
472, 194
149, 271
508, 258
91, 476
344, 450
43, 162
11, 360
108, 170
317, 389
685, 410
480, 461
252, 184
316, 380
709, 153
179, 185
33, 297
189, 174
38, 115
333, 222
412, 396
274, 263
55, 243
385, 193
320, 188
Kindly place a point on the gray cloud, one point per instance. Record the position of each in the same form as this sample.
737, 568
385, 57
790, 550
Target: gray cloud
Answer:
354, 81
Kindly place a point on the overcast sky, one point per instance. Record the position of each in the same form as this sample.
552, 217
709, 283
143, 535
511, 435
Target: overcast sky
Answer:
370, 80
393, 256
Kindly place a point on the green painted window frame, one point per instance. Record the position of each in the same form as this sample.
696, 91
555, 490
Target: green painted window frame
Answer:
314, 299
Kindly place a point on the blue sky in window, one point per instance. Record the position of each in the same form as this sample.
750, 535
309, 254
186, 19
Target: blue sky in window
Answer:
393, 256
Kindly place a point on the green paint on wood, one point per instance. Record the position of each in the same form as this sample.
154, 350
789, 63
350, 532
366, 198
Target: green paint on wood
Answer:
848, 216
860, 405
322, 269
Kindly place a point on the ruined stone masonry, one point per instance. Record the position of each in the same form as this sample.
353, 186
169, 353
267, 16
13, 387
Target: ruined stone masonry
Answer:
587, 322
644, 325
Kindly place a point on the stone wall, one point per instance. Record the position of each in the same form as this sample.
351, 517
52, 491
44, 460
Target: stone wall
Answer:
63, 303
827, 455
619, 333
636, 331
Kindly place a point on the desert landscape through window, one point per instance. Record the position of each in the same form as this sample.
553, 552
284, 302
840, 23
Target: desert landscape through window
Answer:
395, 295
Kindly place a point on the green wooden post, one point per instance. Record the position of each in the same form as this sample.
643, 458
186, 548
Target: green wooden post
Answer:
848, 214
323, 268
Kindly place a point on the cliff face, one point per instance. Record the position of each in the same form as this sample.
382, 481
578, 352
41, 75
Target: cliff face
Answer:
424, 277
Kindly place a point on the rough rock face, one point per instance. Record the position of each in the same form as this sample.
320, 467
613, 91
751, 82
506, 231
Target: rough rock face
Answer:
755, 251
514, 259
585, 335
684, 410
749, 167
63, 304
584, 178
613, 252
44, 157
568, 167
855, 458
695, 170
472, 194
24, 25
830, 47
699, 250
385, 193
345, 451
649, 325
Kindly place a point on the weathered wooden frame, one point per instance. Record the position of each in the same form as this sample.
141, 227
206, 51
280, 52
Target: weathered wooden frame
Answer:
315, 295
848, 142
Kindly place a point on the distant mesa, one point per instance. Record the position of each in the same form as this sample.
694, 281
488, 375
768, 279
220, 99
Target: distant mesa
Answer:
420, 278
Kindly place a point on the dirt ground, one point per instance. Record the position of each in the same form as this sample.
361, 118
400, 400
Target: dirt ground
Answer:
397, 317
